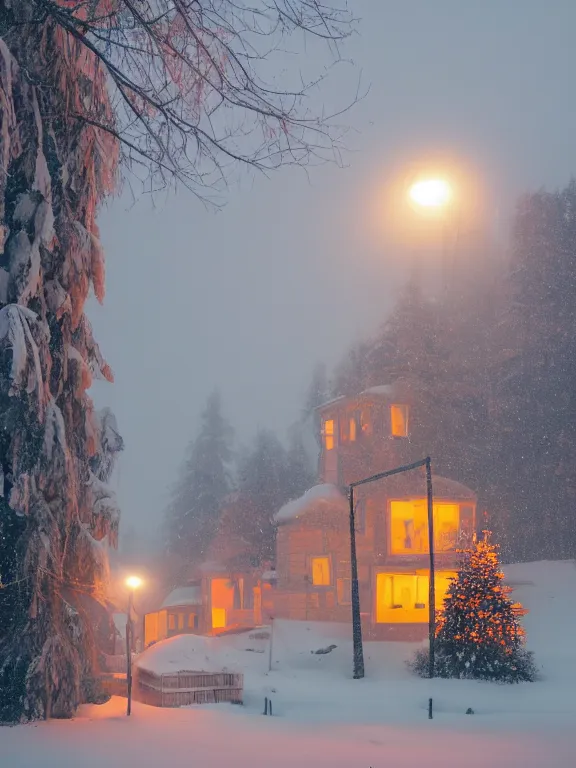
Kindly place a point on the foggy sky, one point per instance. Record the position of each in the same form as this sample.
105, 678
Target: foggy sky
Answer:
248, 299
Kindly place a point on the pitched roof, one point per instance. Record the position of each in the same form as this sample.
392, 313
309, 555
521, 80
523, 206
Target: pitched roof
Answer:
183, 596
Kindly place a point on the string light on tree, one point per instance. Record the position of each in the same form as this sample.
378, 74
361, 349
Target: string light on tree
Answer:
478, 634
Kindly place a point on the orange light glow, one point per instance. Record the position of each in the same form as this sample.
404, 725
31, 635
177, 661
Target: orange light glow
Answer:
134, 582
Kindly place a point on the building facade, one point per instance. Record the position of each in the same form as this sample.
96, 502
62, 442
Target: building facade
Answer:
362, 436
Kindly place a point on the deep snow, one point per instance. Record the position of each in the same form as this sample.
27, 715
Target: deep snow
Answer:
324, 718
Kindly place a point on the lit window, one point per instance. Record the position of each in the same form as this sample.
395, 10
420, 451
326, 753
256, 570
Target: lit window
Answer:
192, 621
365, 422
344, 587
403, 597
180, 621
409, 527
329, 434
171, 621
399, 420
352, 429
321, 571
218, 618
446, 524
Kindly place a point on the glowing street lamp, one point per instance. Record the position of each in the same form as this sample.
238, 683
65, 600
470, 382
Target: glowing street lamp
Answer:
431, 193
133, 583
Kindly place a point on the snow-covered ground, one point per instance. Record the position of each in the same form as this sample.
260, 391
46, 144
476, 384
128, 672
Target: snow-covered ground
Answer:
324, 718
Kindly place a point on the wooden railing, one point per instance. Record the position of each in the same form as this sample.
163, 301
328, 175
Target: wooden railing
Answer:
184, 688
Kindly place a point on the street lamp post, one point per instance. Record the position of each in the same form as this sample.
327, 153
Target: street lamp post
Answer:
132, 582
358, 650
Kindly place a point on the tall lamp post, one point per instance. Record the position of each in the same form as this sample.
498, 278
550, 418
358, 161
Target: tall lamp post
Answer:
426, 464
133, 583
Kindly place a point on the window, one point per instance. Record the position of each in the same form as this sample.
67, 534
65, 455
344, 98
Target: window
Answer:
349, 427
192, 621
171, 621
409, 527
446, 520
365, 421
399, 420
403, 597
248, 598
329, 434
321, 571
238, 602
218, 618
353, 428
344, 587
180, 621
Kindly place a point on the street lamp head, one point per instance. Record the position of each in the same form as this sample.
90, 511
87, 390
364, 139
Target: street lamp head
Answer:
133, 582
431, 193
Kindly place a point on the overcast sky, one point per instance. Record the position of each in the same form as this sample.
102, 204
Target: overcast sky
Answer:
289, 273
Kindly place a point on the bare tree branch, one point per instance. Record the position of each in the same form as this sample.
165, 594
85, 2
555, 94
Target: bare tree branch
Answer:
191, 85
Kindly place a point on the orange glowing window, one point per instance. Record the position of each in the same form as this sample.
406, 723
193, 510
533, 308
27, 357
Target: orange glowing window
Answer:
321, 571
192, 621
404, 597
366, 421
180, 621
399, 420
446, 525
409, 527
329, 434
171, 621
218, 618
352, 429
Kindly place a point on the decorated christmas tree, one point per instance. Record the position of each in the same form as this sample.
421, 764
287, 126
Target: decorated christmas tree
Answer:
478, 634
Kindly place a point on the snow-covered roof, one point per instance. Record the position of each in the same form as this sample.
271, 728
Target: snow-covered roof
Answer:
332, 401
382, 390
325, 493
183, 596
213, 566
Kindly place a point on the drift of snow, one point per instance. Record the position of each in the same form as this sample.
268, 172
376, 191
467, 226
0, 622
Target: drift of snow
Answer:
324, 493
185, 653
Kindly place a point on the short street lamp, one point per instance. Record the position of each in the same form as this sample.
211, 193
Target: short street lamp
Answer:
133, 583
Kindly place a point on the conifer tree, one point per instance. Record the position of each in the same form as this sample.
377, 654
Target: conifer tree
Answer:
264, 487
478, 635
205, 481
299, 471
